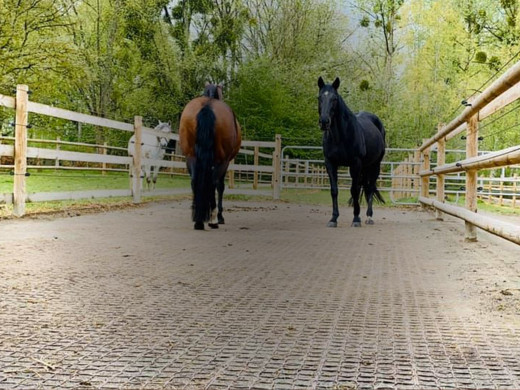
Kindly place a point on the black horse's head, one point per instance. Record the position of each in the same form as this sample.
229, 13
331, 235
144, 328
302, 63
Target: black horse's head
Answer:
213, 91
328, 101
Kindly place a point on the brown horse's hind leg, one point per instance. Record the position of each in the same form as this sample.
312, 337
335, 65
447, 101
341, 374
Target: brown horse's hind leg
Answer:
213, 222
220, 191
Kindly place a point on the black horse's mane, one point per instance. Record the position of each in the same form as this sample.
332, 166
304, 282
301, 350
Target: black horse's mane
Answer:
348, 127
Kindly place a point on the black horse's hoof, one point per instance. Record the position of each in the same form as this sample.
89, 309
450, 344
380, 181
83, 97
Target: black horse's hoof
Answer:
356, 224
213, 225
332, 224
369, 221
221, 221
199, 226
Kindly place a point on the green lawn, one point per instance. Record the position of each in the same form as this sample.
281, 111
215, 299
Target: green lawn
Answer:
65, 181
61, 181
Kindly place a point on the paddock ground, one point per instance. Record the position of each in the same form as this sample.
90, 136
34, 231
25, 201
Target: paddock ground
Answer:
136, 299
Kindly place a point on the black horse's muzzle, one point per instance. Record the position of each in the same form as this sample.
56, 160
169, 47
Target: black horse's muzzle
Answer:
325, 124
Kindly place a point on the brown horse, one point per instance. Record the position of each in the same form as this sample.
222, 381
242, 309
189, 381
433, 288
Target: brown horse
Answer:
210, 138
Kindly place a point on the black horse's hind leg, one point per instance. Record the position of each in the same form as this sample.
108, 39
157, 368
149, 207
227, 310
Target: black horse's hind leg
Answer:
332, 170
355, 190
370, 191
369, 196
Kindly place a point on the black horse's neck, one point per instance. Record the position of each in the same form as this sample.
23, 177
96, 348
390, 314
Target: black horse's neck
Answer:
345, 135
344, 123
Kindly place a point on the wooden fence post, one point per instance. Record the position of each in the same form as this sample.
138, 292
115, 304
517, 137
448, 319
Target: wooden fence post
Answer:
471, 175
255, 162
231, 175
136, 171
416, 169
58, 147
105, 152
277, 166
515, 178
20, 150
441, 160
425, 180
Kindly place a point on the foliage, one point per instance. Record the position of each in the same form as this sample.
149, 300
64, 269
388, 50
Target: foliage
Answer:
409, 61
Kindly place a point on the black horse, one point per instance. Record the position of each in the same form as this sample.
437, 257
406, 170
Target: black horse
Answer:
213, 91
356, 141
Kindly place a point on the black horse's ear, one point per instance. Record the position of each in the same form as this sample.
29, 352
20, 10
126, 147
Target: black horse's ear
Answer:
321, 83
335, 84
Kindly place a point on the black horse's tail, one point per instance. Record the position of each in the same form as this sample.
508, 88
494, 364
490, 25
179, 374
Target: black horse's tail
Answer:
203, 175
377, 196
369, 185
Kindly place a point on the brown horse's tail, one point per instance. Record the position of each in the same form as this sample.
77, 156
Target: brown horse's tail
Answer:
203, 175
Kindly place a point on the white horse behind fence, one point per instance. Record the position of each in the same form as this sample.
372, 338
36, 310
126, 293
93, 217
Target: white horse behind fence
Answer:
153, 147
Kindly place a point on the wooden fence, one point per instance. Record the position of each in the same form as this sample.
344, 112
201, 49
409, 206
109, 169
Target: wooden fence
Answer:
396, 177
498, 95
19, 151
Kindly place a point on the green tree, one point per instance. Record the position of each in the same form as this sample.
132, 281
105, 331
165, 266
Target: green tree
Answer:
127, 61
289, 45
35, 48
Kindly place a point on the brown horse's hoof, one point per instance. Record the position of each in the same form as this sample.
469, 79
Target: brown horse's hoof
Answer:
213, 225
199, 226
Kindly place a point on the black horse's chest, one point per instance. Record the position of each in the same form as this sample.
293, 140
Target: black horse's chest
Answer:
338, 154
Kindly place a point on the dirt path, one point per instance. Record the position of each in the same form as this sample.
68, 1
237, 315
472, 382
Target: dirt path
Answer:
273, 299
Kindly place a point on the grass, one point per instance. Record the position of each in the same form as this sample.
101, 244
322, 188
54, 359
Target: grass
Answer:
68, 181
61, 181
65, 181
321, 196
484, 206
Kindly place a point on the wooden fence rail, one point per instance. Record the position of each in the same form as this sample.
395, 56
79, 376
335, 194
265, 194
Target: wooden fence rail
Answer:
20, 152
498, 95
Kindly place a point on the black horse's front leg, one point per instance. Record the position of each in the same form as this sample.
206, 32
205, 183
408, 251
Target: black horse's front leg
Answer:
355, 190
332, 170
